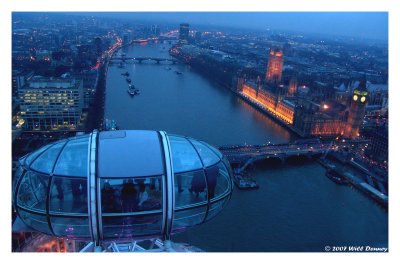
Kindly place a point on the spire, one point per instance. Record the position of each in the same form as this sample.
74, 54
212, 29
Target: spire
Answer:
363, 83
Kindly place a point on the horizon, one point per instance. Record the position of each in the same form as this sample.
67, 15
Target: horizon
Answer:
358, 25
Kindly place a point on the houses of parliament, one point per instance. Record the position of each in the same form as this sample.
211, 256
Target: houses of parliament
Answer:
295, 109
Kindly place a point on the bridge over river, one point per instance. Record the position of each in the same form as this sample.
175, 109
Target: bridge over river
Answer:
141, 59
245, 155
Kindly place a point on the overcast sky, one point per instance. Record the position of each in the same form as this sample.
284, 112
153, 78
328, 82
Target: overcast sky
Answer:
372, 25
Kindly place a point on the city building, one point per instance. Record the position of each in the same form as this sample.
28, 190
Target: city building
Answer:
310, 119
184, 33
98, 45
89, 84
18, 80
356, 110
275, 66
378, 94
197, 37
131, 185
51, 103
283, 109
378, 149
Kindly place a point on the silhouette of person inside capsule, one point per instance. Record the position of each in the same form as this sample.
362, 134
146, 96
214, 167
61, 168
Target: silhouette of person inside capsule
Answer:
212, 174
143, 196
155, 184
60, 191
179, 179
108, 198
198, 183
77, 190
129, 196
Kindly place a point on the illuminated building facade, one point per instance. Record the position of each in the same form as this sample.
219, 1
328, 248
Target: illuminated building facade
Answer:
304, 117
312, 119
184, 33
275, 65
51, 103
309, 123
356, 111
282, 109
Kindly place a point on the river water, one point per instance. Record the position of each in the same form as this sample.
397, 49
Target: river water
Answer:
296, 209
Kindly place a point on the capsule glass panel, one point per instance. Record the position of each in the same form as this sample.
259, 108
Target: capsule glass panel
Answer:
36, 221
130, 226
206, 154
31, 157
45, 162
68, 195
110, 196
131, 207
131, 195
71, 227
187, 218
216, 151
32, 192
190, 188
218, 181
73, 159
215, 208
20, 170
184, 156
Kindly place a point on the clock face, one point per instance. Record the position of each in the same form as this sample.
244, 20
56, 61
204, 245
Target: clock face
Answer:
355, 97
362, 99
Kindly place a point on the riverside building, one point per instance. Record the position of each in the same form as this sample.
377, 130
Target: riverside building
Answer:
51, 103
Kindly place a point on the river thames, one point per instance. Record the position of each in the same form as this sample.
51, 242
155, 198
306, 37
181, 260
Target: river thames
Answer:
296, 209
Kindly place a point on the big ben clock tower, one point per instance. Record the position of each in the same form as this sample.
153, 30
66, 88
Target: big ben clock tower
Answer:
357, 110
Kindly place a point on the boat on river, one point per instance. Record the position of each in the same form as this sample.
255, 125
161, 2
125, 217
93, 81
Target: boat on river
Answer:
132, 90
243, 181
335, 176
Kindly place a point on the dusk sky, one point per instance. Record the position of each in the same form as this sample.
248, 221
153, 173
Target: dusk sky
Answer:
371, 25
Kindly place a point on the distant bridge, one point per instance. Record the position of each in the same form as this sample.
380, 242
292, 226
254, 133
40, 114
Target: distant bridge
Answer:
141, 59
245, 155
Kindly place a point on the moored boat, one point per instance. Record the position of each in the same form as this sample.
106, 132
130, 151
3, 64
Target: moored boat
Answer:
243, 182
132, 90
335, 176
